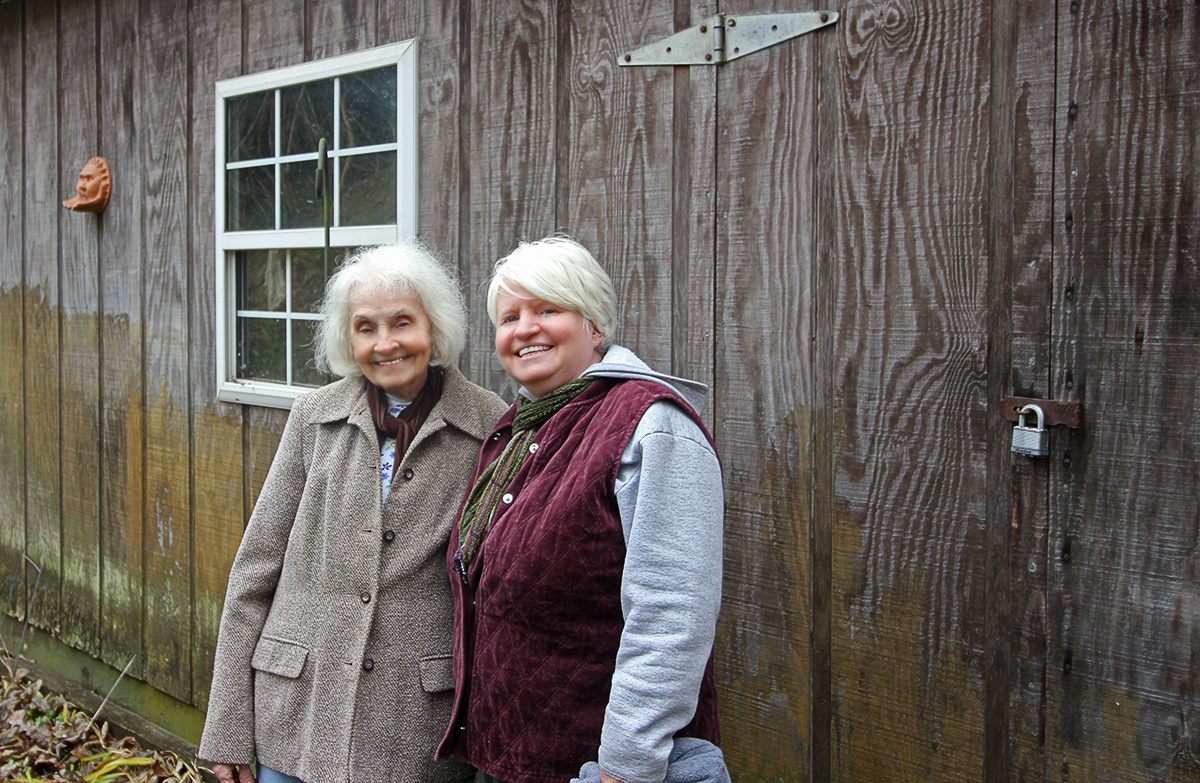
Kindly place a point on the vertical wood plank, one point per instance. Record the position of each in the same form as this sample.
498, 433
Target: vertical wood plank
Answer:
909, 390
342, 27
439, 120
262, 430
215, 42
1122, 695
1022, 169
122, 418
763, 322
512, 131
166, 538
43, 442
12, 318
694, 185
825, 431
273, 35
615, 162
79, 120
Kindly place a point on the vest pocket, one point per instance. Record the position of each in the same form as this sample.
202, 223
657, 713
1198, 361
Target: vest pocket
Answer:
437, 673
279, 657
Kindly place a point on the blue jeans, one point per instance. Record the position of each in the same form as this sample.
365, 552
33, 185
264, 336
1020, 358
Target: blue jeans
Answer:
268, 775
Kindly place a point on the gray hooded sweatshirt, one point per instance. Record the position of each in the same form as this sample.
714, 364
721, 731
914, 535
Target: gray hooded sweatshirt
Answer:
672, 509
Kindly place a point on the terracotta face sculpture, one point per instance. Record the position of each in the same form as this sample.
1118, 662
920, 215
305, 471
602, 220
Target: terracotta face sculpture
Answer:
93, 188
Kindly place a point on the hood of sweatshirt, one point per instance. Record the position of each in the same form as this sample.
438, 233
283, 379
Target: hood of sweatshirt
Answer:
620, 362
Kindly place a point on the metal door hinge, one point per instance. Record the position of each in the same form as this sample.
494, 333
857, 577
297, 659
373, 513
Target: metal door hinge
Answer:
726, 37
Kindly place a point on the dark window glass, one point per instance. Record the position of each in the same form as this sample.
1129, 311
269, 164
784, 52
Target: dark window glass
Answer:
262, 280
299, 206
306, 114
368, 189
309, 275
304, 365
249, 124
250, 199
262, 349
369, 108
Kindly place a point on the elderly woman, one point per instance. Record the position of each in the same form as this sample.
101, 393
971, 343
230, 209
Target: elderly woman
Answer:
333, 663
587, 560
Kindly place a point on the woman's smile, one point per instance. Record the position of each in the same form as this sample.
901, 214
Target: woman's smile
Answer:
542, 345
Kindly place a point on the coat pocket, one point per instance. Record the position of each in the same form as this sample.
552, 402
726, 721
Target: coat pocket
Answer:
279, 656
437, 673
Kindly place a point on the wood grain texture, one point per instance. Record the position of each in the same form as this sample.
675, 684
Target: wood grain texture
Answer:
694, 184
43, 433
615, 164
168, 525
909, 321
122, 419
762, 419
12, 319
217, 509
345, 26
1126, 617
273, 34
512, 131
1022, 169
80, 238
435, 25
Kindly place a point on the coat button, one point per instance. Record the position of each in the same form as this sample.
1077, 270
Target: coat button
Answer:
496, 436
366, 597
368, 664
389, 536
408, 474
533, 447
508, 498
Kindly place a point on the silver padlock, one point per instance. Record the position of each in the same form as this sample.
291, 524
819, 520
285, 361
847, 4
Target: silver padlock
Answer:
1031, 441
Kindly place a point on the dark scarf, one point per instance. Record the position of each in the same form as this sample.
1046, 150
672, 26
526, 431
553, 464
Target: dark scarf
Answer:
481, 505
405, 426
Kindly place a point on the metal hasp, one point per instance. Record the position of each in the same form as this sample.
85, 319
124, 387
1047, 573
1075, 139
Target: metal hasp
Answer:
726, 37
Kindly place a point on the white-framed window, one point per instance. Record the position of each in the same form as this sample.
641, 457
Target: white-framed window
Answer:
271, 267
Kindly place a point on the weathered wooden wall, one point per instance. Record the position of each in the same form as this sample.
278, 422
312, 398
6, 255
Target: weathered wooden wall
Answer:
862, 239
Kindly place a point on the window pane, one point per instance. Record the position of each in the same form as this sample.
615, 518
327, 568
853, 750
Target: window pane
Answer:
299, 205
262, 280
368, 189
249, 124
307, 114
250, 199
262, 349
309, 275
304, 366
369, 108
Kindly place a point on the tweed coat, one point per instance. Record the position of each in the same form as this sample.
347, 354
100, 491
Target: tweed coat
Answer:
333, 661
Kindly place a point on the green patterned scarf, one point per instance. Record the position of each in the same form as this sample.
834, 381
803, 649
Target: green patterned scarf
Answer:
489, 489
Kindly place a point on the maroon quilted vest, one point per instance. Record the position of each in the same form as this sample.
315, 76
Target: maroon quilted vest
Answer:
535, 641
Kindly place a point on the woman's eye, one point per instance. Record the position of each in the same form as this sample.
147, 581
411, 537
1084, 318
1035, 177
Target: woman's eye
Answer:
508, 319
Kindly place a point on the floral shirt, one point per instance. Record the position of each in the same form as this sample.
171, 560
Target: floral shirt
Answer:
387, 455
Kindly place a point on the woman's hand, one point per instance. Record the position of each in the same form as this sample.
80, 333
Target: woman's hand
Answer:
230, 773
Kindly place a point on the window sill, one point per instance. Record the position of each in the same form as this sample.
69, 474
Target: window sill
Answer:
266, 395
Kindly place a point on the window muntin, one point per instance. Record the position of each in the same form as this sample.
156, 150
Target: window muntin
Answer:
270, 231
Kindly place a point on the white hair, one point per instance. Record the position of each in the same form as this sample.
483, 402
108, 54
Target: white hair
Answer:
561, 271
406, 267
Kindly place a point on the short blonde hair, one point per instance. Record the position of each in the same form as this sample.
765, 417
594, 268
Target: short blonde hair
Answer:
406, 267
559, 270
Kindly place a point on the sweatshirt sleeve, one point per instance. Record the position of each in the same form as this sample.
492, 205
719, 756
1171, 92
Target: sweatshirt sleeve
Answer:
229, 726
671, 504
